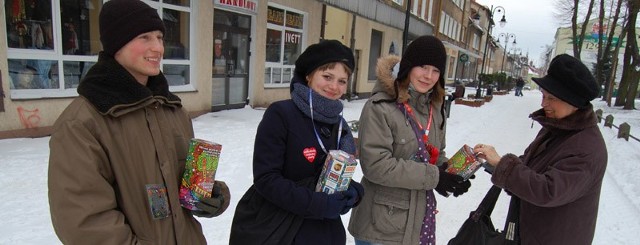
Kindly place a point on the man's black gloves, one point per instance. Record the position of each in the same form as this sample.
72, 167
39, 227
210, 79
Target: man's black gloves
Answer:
451, 183
216, 204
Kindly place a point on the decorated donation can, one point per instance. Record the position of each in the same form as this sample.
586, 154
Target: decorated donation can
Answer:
199, 172
464, 162
337, 172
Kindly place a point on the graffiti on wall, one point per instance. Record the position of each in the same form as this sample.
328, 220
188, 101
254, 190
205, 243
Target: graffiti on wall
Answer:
29, 118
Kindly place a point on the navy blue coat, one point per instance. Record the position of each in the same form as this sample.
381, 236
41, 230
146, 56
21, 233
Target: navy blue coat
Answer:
283, 155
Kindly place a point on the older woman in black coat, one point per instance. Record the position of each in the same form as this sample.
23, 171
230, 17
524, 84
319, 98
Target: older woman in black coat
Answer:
559, 177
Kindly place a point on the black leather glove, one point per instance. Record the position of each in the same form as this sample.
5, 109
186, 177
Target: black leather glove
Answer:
336, 203
216, 204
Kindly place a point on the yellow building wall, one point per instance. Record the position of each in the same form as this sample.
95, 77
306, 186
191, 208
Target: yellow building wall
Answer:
261, 96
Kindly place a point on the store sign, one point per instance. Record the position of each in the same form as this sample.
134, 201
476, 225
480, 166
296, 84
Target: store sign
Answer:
294, 20
242, 5
464, 58
292, 37
275, 16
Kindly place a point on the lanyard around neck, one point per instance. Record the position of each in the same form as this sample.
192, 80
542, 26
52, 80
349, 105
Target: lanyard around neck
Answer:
409, 110
316, 131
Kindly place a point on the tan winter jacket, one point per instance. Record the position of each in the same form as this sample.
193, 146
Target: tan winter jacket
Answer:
395, 185
108, 144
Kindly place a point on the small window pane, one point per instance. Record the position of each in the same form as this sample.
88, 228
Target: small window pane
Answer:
267, 75
287, 74
184, 3
29, 24
176, 74
33, 74
176, 36
80, 36
295, 20
274, 38
275, 16
74, 71
277, 77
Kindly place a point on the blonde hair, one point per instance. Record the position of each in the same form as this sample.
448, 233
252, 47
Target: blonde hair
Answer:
332, 65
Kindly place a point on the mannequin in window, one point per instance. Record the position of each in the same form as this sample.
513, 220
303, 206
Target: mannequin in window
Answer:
26, 79
69, 37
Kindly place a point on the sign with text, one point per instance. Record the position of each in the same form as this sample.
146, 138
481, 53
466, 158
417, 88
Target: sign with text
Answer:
247, 6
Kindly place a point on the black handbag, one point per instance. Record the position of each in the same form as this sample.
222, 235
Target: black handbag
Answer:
479, 229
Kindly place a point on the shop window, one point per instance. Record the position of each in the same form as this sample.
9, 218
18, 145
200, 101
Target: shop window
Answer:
285, 30
29, 24
53, 43
451, 67
33, 74
176, 38
176, 74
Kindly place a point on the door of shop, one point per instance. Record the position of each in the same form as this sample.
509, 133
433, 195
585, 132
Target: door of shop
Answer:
230, 75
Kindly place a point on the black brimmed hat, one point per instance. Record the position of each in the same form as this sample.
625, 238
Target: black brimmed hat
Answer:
569, 80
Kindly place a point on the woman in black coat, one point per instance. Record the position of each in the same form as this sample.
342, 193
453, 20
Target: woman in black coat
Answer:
291, 145
559, 176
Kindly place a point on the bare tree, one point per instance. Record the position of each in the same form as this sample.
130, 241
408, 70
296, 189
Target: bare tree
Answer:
606, 57
574, 6
628, 89
577, 46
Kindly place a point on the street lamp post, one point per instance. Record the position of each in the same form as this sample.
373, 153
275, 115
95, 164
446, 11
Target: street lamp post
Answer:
503, 21
506, 43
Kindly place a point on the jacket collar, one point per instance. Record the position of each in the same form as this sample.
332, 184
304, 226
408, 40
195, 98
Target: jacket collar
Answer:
579, 120
114, 91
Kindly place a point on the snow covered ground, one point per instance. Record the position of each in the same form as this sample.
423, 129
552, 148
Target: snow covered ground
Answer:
503, 122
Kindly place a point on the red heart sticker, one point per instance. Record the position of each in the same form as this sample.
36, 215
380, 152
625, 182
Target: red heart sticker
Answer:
309, 153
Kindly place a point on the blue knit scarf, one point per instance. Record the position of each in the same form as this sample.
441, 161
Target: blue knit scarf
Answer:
324, 110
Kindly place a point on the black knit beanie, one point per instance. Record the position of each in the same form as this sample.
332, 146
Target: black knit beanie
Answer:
324, 52
123, 20
570, 80
425, 50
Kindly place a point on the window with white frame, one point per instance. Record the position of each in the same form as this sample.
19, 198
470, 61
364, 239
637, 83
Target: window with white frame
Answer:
449, 26
53, 43
476, 41
419, 9
451, 66
285, 28
458, 3
399, 2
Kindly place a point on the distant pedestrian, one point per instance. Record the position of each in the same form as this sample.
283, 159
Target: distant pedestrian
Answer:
460, 90
519, 86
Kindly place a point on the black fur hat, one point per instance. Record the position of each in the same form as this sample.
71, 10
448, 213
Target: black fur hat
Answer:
570, 80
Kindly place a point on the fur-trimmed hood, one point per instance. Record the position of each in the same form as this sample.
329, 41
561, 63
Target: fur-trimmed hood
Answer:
386, 79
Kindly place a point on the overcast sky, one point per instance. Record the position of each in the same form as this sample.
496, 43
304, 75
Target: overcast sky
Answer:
532, 22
